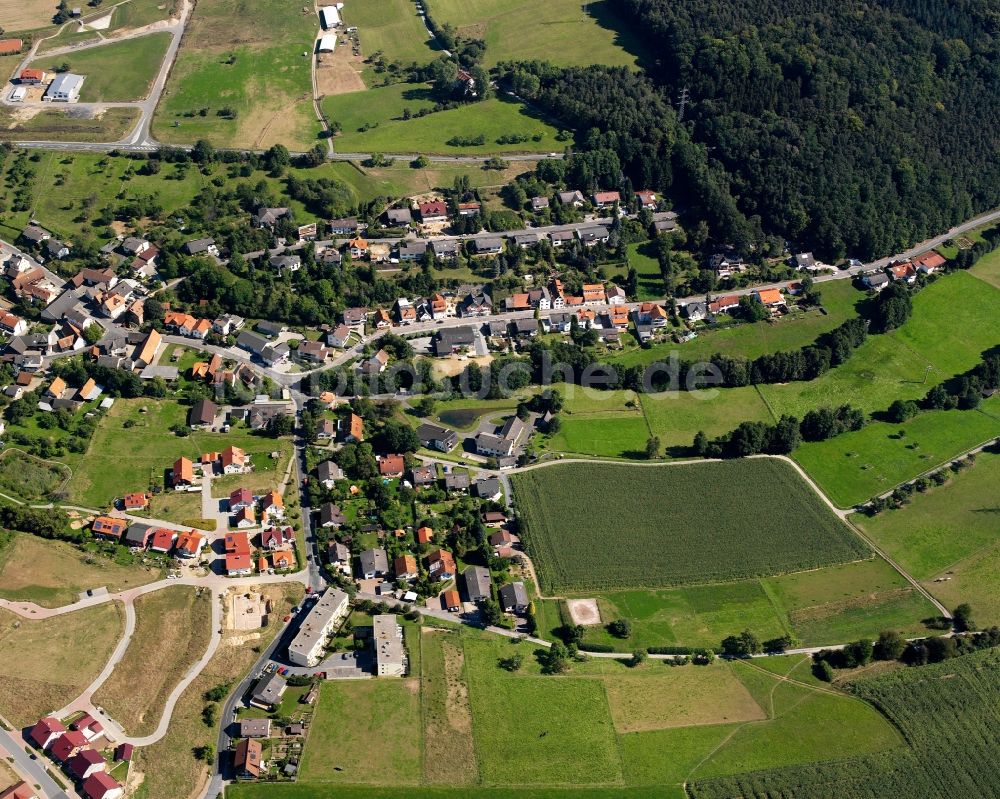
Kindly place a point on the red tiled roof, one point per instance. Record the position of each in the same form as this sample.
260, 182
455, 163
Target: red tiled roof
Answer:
99, 784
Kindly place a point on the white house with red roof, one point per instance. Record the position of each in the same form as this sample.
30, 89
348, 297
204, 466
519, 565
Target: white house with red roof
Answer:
46, 731
101, 785
88, 725
67, 745
85, 763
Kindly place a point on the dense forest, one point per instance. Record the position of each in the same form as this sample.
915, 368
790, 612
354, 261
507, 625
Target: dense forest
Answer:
852, 128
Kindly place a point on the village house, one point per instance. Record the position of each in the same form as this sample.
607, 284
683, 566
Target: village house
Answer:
328, 472
487, 488
476, 581
451, 601
272, 506
929, 263
108, 527
202, 415
351, 430
424, 535
514, 598
595, 234
277, 537
770, 298
248, 759
605, 199
726, 264
405, 568
441, 565
330, 515
724, 304
646, 199
391, 466
162, 540
46, 731
904, 273
189, 544
267, 691
101, 785
433, 436
445, 249
434, 211
373, 563
85, 763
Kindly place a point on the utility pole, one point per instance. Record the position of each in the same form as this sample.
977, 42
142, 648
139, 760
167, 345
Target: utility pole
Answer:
682, 101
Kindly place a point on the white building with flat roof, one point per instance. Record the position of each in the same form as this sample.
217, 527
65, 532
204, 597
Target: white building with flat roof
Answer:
65, 88
307, 647
327, 43
330, 16
390, 654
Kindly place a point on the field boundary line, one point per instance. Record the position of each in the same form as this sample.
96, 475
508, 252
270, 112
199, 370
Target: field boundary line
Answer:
770, 410
941, 464
903, 573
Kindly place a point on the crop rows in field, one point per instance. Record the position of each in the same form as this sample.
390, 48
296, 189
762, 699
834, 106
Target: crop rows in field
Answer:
600, 526
949, 713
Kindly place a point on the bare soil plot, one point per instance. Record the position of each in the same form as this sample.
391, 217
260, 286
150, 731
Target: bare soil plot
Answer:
172, 630
55, 658
247, 611
339, 72
684, 696
584, 611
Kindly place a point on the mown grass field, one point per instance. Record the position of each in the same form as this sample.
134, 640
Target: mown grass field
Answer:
54, 573
384, 711
172, 630
541, 736
816, 607
152, 448
560, 31
430, 134
853, 467
53, 660
988, 269
591, 526
951, 531
259, 67
905, 363
948, 715
118, 72
675, 416
393, 28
